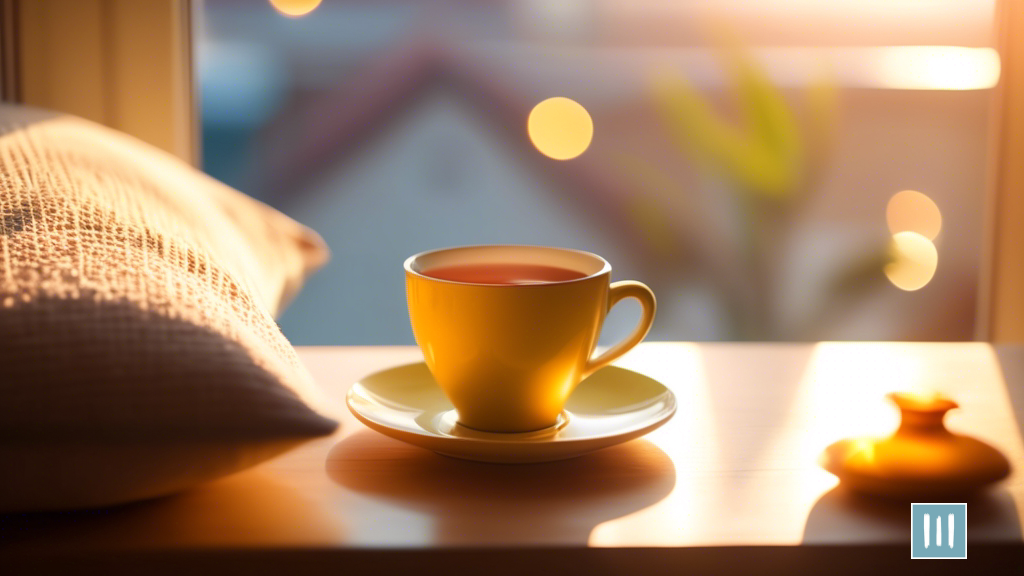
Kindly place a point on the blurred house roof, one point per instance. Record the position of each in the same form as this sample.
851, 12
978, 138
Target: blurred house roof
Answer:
319, 130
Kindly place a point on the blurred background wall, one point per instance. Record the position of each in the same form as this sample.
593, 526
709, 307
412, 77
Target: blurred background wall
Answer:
744, 163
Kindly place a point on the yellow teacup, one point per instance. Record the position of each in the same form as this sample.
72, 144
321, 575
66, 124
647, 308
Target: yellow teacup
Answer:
508, 355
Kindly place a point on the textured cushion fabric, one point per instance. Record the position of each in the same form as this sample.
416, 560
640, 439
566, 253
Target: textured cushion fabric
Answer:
139, 351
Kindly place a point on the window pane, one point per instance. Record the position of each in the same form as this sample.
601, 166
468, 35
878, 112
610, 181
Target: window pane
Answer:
748, 161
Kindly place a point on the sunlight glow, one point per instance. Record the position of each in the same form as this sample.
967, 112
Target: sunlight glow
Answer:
923, 67
926, 398
747, 469
912, 211
560, 128
841, 394
295, 8
914, 261
864, 448
688, 513
938, 67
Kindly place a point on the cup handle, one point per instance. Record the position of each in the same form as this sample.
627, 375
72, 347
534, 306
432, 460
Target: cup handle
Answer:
620, 291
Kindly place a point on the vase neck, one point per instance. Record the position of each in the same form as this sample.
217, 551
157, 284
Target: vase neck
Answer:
922, 414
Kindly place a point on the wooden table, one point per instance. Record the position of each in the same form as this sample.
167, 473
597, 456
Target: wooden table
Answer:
730, 484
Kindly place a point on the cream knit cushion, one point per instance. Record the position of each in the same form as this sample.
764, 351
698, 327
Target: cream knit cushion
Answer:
139, 351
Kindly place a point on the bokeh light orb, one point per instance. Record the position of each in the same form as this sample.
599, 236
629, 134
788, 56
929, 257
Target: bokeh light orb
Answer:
560, 128
912, 211
914, 261
295, 8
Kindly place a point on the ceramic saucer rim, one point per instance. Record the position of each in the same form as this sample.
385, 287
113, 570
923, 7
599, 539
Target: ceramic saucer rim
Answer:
645, 428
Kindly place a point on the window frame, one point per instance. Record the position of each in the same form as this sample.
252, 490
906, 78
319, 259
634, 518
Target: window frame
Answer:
1000, 316
124, 63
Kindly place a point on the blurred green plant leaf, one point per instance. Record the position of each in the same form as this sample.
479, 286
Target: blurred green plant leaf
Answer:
764, 153
770, 121
822, 104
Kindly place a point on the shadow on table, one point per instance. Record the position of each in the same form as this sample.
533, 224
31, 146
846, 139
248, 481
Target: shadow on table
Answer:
841, 516
250, 508
557, 503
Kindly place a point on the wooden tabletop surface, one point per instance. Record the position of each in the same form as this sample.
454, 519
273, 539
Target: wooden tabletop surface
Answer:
737, 466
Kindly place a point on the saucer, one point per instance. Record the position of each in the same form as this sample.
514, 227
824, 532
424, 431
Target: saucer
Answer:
612, 406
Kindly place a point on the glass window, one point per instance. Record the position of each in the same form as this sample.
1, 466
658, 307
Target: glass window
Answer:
787, 170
